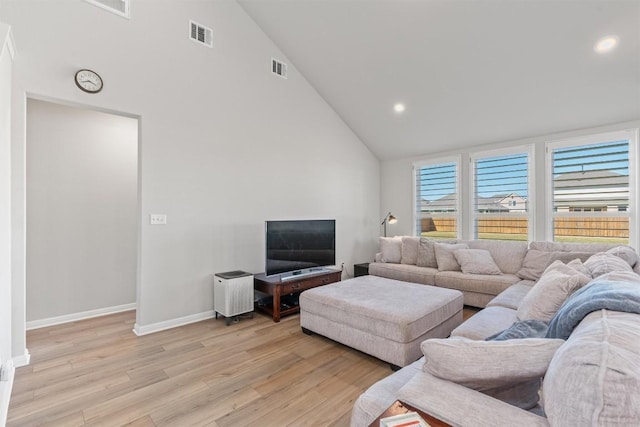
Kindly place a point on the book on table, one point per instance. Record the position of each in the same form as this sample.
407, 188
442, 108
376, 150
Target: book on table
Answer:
410, 419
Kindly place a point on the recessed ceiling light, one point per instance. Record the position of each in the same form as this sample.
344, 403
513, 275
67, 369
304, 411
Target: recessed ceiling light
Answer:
606, 44
399, 107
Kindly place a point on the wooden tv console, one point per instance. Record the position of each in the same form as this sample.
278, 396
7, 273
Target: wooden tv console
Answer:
277, 288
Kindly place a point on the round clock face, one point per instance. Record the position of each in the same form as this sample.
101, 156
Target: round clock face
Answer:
89, 81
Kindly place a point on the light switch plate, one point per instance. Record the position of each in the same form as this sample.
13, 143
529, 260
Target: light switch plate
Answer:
157, 219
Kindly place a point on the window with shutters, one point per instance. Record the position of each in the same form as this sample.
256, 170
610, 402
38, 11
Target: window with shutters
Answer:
437, 200
592, 191
501, 194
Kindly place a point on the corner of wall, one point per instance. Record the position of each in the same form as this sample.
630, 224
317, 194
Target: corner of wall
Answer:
6, 385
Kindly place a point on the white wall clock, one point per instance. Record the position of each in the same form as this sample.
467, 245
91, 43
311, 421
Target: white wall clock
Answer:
89, 81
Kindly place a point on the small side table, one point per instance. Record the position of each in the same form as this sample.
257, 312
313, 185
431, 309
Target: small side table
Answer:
361, 269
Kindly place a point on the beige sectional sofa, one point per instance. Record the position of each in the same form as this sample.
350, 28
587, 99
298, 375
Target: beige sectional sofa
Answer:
592, 378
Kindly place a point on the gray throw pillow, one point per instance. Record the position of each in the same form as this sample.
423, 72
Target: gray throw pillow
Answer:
410, 250
445, 258
476, 261
536, 261
507, 370
602, 263
554, 287
391, 249
426, 253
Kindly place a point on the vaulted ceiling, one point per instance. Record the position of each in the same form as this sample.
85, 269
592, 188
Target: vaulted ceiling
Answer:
469, 72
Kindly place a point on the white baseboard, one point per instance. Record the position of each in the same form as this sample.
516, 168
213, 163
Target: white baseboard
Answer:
51, 321
22, 360
168, 324
5, 393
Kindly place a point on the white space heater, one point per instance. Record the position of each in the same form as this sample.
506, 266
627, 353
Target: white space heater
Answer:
232, 294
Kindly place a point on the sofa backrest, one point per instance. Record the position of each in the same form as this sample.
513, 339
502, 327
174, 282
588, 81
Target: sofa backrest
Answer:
572, 247
507, 255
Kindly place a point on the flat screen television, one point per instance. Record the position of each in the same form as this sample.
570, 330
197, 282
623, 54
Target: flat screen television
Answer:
299, 246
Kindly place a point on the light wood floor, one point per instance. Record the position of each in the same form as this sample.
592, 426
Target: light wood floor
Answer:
255, 372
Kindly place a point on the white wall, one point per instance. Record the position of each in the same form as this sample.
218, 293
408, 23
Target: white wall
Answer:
225, 145
397, 179
5, 214
82, 203
5, 194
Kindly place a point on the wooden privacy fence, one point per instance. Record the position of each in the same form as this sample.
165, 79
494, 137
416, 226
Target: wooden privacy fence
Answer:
617, 227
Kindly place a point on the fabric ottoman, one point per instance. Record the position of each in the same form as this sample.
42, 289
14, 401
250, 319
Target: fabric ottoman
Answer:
382, 317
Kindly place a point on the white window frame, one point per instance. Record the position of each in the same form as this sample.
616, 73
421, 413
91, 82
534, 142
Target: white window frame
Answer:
433, 162
530, 214
632, 136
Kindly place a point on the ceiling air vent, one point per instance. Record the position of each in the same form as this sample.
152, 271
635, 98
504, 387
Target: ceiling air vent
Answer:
279, 68
200, 34
119, 7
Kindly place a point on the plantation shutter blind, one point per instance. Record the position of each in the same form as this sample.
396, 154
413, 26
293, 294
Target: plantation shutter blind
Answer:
500, 198
437, 200
591, 191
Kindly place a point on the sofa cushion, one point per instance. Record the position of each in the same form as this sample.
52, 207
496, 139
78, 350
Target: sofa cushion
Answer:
409, 250
627, 253
485, 323
536, 261
482, 283
594, 379
493, 367
512, 296
404, 272
545, 298
444, 256
602, 263
476, 261
391, 249
507, 255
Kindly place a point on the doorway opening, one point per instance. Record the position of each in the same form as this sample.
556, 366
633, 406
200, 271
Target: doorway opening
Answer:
82, 180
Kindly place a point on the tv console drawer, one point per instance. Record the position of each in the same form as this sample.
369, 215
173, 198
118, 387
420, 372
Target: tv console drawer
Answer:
310, 282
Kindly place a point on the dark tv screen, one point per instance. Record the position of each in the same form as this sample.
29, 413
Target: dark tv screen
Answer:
299, 245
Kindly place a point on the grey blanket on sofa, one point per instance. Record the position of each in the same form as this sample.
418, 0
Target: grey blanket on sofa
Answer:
616, 296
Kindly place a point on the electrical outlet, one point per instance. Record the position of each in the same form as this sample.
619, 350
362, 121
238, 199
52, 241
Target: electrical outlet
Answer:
158, 219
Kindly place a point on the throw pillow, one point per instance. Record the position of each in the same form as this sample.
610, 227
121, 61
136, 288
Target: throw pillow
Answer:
493, 367
627, 253
524, 329
391, 249
602, 263
577, 264
476, 261
427, 253
410, 250
536, 261
545, 298
444, 256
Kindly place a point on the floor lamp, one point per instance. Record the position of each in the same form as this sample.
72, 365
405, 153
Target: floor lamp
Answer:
388, 218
